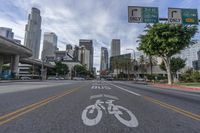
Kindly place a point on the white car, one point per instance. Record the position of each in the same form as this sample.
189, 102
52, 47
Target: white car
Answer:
25, 78
78, 78
53, 78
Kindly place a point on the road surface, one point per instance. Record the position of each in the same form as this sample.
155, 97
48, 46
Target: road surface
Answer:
96, 107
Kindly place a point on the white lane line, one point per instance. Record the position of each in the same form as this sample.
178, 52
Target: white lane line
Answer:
126, 90
175, 91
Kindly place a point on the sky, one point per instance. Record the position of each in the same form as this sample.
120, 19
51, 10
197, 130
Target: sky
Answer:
99, 20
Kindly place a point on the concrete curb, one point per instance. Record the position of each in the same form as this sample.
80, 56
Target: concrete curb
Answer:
12, 81
175, 87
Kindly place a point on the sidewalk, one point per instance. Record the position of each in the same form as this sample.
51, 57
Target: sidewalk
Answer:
166, 86
10, 81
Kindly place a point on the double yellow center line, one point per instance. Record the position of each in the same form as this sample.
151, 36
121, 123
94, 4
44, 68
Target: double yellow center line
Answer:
13, 115
176, 109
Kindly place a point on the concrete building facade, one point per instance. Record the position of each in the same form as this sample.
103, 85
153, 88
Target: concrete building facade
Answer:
69, 47
88, 44
7, 33
84, 57
76, 53
190, 54
11, 53
104, 59
115, 47
33, 32
49, 45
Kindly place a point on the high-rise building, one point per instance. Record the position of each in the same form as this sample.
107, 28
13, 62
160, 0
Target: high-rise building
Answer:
76, 53
7, 33
95, 71
84, 57
33, 32
190, 54
104, 59
69, 50
49, 45
88, 44
69, 47
115, 47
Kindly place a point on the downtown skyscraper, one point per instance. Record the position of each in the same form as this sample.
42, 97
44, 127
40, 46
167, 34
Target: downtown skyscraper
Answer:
33, 32
88, 44
104, 59
115, 47
49, 45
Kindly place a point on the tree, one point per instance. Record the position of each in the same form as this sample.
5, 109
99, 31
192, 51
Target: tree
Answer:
80, 70
61, 69
152, 62
142, 64
165, 40
176, 65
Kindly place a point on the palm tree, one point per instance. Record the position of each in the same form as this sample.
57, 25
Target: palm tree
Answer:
142, 64
152, 62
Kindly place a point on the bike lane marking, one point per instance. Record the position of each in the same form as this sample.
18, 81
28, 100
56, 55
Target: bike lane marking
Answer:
111, 109
125, 90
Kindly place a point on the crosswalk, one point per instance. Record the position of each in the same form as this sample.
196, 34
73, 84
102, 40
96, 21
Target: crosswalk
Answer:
100, 87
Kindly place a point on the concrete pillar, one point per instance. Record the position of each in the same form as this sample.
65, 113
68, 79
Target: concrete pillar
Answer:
14, 64
1, 64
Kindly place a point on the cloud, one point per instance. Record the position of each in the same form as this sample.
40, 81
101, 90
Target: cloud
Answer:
71, 20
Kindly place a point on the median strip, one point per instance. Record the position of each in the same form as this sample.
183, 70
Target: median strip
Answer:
176, 109
10, 116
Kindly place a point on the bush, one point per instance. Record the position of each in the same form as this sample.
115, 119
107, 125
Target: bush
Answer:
151, 77
156, 77
190, 76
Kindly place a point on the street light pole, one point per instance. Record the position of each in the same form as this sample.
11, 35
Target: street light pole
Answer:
134, 58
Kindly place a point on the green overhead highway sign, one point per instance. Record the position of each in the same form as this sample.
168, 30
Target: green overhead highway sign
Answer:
143, 14
182, 16
189, 16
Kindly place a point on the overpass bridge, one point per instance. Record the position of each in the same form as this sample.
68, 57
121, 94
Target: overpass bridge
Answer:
13, 53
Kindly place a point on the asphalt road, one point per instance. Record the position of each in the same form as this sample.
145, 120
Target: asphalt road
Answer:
96, 107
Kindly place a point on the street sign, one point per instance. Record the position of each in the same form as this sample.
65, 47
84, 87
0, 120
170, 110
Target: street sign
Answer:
182, 16
134, 14
174, 16
190, 16
150, 15
142, 14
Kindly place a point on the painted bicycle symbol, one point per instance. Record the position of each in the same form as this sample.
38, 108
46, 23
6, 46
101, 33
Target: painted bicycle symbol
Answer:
112, 109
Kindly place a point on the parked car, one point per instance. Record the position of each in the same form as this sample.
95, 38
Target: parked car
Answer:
52, 78
25, 78
78, 78
109, 79
61, 78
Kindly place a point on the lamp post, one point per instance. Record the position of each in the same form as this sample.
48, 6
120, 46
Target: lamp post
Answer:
134, 57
